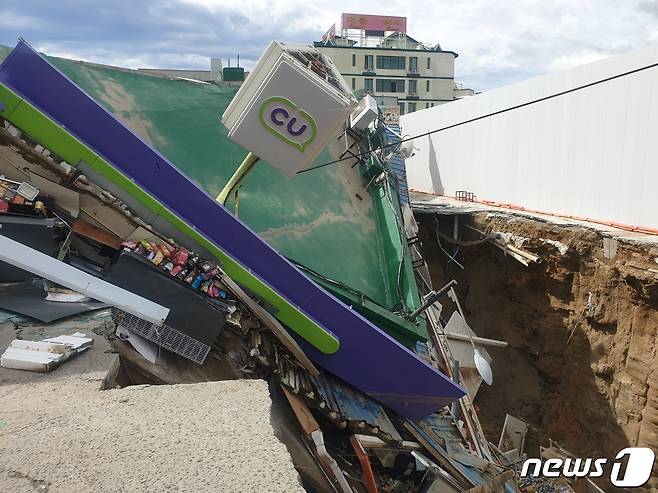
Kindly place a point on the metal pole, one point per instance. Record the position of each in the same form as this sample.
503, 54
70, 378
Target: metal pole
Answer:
480, 340
430, 299
455, 378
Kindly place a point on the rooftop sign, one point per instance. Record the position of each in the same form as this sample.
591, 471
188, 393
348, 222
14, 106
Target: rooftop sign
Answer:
374, 22
286, 112
330, 34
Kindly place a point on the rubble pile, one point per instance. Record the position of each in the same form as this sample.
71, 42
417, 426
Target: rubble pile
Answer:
196, 297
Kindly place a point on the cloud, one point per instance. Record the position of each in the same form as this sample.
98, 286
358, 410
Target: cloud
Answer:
504, 42
171, 33
498, 42
575, 59
650, 6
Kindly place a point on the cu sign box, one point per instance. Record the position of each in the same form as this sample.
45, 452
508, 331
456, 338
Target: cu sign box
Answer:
289, 107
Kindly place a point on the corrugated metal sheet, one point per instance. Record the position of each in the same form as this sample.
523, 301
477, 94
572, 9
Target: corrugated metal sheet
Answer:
438, 437
397, 164
339, 401
355, 406
585, 151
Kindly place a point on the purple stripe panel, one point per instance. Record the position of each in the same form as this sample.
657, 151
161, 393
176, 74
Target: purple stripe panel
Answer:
368, 358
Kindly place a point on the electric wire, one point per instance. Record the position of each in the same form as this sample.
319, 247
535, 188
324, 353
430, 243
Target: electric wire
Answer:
482, 117
389, 177
467, 243
362, 296
400, 228
451, 258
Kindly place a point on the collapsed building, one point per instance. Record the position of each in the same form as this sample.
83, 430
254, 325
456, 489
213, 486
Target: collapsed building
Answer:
320, 282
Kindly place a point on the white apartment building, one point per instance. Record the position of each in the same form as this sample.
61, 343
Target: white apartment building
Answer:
418, 75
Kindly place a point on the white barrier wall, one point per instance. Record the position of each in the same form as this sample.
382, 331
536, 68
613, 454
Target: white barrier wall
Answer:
580, 142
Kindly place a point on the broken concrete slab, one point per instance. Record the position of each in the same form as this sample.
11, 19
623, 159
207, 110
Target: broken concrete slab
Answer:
24, 359
44, 356
200, 437
98, 358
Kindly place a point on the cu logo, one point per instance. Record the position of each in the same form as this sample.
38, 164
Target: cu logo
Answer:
287, 122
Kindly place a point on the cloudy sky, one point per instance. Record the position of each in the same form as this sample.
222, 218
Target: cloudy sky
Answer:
498, 41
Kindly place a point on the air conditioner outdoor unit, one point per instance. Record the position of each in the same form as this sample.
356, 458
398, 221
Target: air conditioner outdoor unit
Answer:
364, 114
291, 104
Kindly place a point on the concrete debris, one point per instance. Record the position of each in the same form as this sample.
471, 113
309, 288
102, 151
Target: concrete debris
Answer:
610, 247
46, 355
70, 437
561, 247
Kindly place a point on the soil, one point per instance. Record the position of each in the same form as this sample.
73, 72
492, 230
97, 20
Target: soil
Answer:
583, 375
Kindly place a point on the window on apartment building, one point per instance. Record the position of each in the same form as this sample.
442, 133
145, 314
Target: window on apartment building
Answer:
432, 106
413, 64
391, 62
367, 85
427, 105
413, 86
412, 107
427, 86
428, 63
353, 59
353, 83
389, 85
368, 63
401, 108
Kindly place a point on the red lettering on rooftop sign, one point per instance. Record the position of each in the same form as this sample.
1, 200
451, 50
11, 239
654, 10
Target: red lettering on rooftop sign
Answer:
374, 22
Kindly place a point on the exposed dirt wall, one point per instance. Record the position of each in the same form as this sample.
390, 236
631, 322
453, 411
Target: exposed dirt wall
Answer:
585, 375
